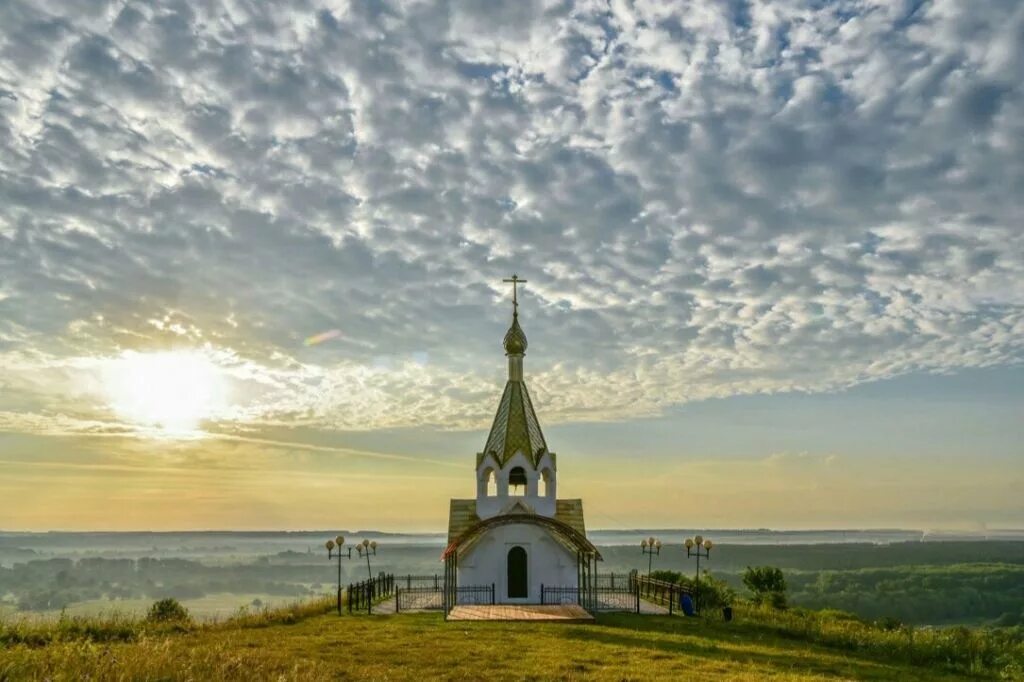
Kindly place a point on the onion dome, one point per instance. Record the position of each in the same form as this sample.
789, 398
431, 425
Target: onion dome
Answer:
515, 338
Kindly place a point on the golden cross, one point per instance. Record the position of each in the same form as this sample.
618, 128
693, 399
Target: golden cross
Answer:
515, 281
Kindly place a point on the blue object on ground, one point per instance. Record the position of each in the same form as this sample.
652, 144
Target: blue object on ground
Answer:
686, 604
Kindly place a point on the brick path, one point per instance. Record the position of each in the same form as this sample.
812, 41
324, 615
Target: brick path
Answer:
566, 613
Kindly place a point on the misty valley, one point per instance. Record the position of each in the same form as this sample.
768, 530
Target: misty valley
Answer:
216, 574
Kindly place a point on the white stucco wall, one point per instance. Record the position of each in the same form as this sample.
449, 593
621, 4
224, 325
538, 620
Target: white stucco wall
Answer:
547, 561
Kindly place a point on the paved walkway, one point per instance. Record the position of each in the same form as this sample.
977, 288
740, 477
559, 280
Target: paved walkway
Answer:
567, 613
387, 606
651, 608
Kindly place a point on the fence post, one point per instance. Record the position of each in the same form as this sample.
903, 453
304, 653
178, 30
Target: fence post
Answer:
435, 581
671, 598
397, 605
542, 594
637, 592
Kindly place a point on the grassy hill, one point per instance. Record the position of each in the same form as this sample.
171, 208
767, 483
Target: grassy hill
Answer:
308, 642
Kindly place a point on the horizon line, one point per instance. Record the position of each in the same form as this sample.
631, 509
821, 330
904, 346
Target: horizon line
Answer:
596, 530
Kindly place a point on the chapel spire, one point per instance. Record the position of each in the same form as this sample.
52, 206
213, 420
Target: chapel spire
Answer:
515, 428
515, 339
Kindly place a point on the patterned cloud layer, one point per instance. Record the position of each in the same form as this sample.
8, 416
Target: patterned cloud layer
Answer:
708, 199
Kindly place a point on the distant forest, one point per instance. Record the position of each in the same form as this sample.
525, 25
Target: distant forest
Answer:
977, 582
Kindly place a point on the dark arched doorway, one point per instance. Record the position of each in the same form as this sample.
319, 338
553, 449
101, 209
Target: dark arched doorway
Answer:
518, 587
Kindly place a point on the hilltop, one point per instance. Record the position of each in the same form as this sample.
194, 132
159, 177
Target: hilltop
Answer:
308, 642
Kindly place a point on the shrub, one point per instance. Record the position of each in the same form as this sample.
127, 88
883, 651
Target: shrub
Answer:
767, 584
889, 623
1008, 619
667, 576
712, 593
167, 610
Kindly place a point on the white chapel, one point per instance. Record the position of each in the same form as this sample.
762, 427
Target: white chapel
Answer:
516, 535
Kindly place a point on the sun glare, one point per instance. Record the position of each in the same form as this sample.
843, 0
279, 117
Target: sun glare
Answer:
172, 391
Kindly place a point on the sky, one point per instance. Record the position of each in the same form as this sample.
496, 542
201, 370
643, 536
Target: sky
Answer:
251, 259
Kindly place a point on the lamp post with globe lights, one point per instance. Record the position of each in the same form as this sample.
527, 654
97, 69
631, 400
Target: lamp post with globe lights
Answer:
694, 547
366, 548
334, 549
650, 546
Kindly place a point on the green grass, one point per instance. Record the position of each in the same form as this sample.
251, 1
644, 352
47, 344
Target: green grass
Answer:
308, 642
216, 606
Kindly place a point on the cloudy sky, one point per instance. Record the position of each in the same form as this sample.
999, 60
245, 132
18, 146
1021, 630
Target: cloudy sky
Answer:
774, 255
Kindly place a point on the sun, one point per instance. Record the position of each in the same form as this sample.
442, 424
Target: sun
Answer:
171, 391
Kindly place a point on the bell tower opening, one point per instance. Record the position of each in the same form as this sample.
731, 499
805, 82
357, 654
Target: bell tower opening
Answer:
517, 481
546, 485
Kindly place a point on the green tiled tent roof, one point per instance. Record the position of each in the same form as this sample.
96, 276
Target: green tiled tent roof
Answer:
461, 517
515, 428
570, 512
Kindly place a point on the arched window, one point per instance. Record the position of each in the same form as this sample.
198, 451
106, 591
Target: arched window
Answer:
544, 489
517, 481
518, 583
492, 483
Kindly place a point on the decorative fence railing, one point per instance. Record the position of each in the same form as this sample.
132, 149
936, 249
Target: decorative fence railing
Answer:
418, 599
362, 595
559, 595
615, 580
474, 594
623, 597
616, 592
458, 595
434, 581
661, 592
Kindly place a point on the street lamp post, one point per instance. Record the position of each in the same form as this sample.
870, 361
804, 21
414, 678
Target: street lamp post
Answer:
693, 548
334, 549
366, 548
650, 546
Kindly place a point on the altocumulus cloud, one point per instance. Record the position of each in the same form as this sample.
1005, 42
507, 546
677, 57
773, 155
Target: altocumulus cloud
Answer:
708, 199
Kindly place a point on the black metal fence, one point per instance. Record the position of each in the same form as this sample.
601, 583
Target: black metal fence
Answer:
418, 599
408, 582
615, 580
417, 593
362, 595
559, 595
625, 596
474, 594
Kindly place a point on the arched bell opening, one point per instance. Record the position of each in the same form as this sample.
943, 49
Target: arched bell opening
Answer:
546, 487
487, 483
517, 481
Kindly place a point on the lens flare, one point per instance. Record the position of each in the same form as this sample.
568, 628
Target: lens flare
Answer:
321, 337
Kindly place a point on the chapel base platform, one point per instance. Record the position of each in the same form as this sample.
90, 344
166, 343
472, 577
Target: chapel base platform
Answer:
564, 613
